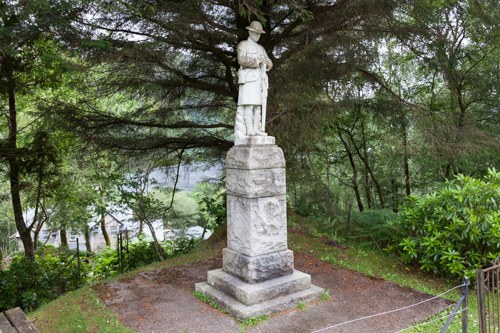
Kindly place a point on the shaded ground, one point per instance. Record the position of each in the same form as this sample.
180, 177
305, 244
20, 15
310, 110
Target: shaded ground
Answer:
162, 301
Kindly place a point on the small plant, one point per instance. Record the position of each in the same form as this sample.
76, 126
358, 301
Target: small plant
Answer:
325, 296
302, 306
245, 324
206, 299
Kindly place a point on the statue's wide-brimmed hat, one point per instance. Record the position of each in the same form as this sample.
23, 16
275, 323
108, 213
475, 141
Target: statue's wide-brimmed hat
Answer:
256, 26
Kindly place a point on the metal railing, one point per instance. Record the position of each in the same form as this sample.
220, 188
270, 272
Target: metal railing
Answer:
488, 298
77, 257
463, 302
124, 253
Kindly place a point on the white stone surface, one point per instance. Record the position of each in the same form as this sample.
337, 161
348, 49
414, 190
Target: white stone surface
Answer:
250, 294
255, 157
256, 225
253, 83
255, 183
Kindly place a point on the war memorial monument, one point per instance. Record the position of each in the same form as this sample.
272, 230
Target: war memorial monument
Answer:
258, 276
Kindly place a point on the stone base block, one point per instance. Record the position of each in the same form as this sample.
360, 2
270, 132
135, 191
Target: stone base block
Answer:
255, 183
255, 157
255, 140
250, 294
256, 226
242, 311
257, 268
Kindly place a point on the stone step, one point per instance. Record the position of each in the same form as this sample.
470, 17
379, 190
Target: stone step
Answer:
250, 294
244, 312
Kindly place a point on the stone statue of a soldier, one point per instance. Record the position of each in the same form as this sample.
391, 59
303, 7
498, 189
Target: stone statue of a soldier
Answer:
253, 84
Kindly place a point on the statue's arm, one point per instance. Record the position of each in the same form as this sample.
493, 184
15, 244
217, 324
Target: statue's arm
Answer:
269, 63
243, 60
266, 60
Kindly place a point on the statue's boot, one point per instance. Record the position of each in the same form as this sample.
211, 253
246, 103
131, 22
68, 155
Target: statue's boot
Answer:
248, 123
257, 128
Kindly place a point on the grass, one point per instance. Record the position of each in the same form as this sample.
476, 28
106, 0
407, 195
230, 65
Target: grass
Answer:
206, 299
325, 296
301, 306
75, 312
375, 263
245, 324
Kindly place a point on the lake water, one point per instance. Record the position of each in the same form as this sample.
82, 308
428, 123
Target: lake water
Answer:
189, 175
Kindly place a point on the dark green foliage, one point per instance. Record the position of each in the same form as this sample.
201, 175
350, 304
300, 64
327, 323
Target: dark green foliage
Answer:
29, 283
453, 231
213, 210
373, 226
139, 254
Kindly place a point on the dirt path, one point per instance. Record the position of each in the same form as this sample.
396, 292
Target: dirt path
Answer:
162, 301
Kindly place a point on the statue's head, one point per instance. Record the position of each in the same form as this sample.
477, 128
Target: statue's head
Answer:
255, 29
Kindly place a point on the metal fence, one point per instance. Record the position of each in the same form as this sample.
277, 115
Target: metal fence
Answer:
463, 302
124, 253
77, 257
488, 298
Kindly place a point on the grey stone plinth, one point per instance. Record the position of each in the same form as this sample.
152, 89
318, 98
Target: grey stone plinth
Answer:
250, 294
254, 269
256, 225
255, 157
257, 277
255, 183
242, 311
255, 140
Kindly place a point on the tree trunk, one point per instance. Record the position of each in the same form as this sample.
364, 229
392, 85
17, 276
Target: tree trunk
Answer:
354, 172
14, 173
64, 237
369, 199
368, 194
155, 240
447, 171
104, 231
141, 226
324, 189
394, 196
87, 240
405, 161
369, 169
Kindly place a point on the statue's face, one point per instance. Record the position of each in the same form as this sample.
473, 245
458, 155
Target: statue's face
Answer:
255, 36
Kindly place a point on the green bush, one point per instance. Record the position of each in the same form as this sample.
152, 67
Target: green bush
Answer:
29, 284
139, 254
455, 230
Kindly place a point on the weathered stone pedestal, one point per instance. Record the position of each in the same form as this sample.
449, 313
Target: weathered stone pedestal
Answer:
257, 277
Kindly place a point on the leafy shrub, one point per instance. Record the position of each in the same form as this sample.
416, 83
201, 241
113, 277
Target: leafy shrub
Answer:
29, 284
455, 230
139, 254
213, 210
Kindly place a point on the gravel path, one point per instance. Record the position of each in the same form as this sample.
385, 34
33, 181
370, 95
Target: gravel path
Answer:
162, 301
